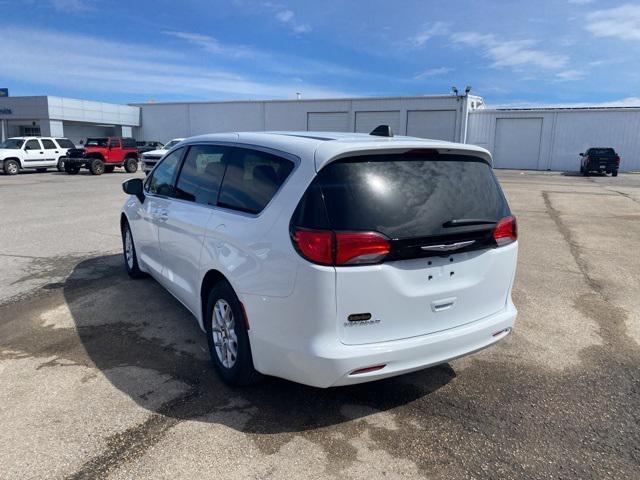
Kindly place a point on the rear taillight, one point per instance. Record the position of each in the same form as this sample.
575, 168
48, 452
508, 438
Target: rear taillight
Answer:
326, 247
617, 159
506, 231
315, 245
356, 248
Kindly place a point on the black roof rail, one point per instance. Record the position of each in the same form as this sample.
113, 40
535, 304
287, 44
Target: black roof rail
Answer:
382, 131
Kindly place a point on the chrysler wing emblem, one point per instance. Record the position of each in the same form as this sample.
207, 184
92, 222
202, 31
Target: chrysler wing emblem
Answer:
447, 247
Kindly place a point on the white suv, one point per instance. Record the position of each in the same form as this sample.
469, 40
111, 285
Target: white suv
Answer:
326, 258
151, 158
39, 153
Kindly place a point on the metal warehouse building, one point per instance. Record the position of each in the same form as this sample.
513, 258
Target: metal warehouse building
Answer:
442, 117
536, 139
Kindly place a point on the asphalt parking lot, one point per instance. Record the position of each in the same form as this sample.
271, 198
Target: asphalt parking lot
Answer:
104, 377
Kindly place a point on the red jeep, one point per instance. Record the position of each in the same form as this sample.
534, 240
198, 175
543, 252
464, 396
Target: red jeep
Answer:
103, 154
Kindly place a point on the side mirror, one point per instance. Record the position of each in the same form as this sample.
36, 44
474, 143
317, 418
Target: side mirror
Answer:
135, 187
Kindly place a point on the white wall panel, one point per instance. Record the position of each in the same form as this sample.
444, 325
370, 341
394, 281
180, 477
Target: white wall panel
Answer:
517, 143
328, 121
367, 121
434, 124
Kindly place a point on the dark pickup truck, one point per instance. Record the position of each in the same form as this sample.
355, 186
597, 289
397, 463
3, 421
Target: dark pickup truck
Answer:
600, 160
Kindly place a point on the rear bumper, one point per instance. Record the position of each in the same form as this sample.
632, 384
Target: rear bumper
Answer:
325, 364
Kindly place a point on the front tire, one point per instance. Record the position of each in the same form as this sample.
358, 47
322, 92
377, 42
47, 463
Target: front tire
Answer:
60, 165
129, 252
96, 167
131, 165
227, 336
72, 169
11, 167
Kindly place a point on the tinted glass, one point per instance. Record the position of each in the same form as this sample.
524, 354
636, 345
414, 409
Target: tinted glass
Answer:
602, 152
160, 181
252, 179
96, 142
407, 196
48, 144
114, 143
12, 143
202, 173
128, 143
32, 145
65, 143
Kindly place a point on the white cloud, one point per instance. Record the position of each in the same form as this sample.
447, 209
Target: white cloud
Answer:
622, 22
510, 53
433, 72
430, 31
288, 17
570, 75
93, 64
212, 45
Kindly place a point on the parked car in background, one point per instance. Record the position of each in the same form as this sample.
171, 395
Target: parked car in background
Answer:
103, 154
148, 146
149, 159
35, 153
327, 258
601, 159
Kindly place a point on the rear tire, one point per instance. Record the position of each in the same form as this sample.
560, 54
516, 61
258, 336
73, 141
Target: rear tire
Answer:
109, 168
227, 336
60, 165
614, 173
11, 167
129, 253
131, 165
96, 167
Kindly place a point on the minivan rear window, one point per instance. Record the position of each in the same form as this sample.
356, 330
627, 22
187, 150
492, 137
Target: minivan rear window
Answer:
403, 196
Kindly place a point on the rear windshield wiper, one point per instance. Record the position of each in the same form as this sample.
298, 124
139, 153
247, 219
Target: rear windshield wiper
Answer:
464, 222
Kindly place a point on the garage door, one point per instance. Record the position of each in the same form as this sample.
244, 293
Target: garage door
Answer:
367, 121
328, 121
435, 124
517, 143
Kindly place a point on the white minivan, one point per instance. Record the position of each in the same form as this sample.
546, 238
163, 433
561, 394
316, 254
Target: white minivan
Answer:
327, 258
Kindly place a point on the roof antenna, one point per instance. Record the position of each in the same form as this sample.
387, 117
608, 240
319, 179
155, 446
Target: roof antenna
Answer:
382, 131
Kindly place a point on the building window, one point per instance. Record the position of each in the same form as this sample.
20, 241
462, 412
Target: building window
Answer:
29, 131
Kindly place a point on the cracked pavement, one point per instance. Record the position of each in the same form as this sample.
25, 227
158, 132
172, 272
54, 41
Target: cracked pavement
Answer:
104, 377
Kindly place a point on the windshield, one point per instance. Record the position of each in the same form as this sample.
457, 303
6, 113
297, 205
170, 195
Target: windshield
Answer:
170, 145
96, 142
12, 143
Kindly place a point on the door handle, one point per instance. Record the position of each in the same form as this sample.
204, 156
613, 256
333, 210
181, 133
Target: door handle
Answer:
444, 304
57, 151
163, 214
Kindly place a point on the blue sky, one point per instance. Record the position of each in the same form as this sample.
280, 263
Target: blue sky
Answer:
517, 53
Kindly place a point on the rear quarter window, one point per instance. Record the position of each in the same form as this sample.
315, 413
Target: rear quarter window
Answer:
65, 143
252, 179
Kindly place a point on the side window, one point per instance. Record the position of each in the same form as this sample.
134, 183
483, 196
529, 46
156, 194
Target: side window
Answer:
114, 143
252, 179
202, 173
48, 144
160, 182
65, 143
32, 145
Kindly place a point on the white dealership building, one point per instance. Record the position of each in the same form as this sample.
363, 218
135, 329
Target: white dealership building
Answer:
535, 139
